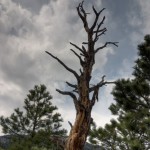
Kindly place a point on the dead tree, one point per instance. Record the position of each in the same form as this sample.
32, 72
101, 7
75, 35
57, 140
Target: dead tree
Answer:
82, 101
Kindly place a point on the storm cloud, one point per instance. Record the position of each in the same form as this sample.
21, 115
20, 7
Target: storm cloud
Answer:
29, 27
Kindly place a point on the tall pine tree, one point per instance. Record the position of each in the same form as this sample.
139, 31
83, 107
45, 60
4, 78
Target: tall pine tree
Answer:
34, 126
131, 131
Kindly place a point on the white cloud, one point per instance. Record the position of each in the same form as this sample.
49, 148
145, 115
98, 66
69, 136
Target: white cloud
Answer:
126, 70
145, 7
141, 21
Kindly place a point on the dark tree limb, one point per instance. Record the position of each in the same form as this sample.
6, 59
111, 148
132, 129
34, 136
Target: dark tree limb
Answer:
84, 49
100, 84
84, 42
98, 29
83, 15
97, 17
77, 47
105, 45
66, 67
81, 61
95, 89
99, 33
71, 95
71, 85
70, 124
66, 93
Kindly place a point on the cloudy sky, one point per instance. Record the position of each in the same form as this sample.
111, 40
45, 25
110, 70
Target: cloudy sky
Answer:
29, 27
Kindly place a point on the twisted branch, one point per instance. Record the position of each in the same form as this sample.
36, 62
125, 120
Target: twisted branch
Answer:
71, 95
83, 15
96, 89
81, 61
66, 67
105, 45
97, 17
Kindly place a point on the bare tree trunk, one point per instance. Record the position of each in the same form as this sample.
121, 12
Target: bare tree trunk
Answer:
82, 101
79, 131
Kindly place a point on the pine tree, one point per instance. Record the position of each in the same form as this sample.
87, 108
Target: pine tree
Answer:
34, 125
131, 131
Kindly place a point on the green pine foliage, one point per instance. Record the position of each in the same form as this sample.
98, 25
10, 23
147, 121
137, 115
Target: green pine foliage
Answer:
131, 131
33, 127
141, 69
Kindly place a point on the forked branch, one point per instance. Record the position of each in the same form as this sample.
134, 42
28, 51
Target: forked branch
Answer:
95, 89
66, 67
100, 84
81, 61
105, 45
97, 14
98, 30
71, 85
66, 93
82, 50
70, 94
83, 15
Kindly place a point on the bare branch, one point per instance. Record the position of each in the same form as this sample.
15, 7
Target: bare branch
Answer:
81, 71
81, 61
76, 91
97, 16
71, 85
101, 83
98, 34
95, 95
84, 49
85, 43
102, 32
69, 69
82, 14
77, 47
70, 94
96, 89
98, 28
70, 124
66, 93
105, 45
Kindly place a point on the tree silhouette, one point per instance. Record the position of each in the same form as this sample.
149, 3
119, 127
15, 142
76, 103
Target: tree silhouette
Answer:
36, 124
82, 89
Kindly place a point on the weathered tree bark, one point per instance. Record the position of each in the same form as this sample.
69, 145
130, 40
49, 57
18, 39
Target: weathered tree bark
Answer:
82, 101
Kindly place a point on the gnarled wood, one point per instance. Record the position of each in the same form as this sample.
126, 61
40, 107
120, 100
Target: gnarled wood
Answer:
82, 101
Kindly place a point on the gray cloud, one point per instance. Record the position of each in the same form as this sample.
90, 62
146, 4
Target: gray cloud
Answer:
28, 28
32, 5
